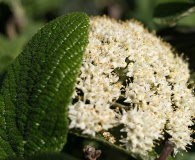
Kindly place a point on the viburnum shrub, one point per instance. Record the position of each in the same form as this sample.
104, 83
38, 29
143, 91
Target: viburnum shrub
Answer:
99, 78
131, 77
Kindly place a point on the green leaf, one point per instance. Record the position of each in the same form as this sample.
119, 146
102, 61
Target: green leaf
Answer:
170, 13
185, 156
10, 48
100, 138
152, 155
171, 158
8, 51
38, 86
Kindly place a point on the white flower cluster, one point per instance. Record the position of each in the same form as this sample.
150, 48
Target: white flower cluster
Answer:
126, 64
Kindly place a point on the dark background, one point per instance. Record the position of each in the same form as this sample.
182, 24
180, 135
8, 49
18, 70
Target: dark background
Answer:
20, 19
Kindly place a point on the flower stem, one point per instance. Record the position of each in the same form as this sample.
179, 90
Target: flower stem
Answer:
168, 148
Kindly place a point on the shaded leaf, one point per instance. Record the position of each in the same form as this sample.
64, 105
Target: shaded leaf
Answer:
10, 48
152, 155
101, 139
38, 86
185, 156
45, 156
170, 13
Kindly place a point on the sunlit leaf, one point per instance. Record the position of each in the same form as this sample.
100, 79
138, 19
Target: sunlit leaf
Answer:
38, 86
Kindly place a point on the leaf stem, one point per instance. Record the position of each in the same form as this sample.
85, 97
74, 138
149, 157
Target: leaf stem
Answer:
18, 21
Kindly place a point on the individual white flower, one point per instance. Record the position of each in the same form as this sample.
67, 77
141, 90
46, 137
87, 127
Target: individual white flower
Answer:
127, 68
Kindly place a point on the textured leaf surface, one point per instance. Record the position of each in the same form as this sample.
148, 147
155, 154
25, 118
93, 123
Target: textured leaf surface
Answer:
170, 13
38, 87
10, 48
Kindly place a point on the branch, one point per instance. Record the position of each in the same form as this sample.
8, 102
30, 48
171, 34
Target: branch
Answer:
168, 148
18, 20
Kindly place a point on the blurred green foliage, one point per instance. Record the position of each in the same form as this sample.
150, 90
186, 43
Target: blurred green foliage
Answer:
37, 9
20, 22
